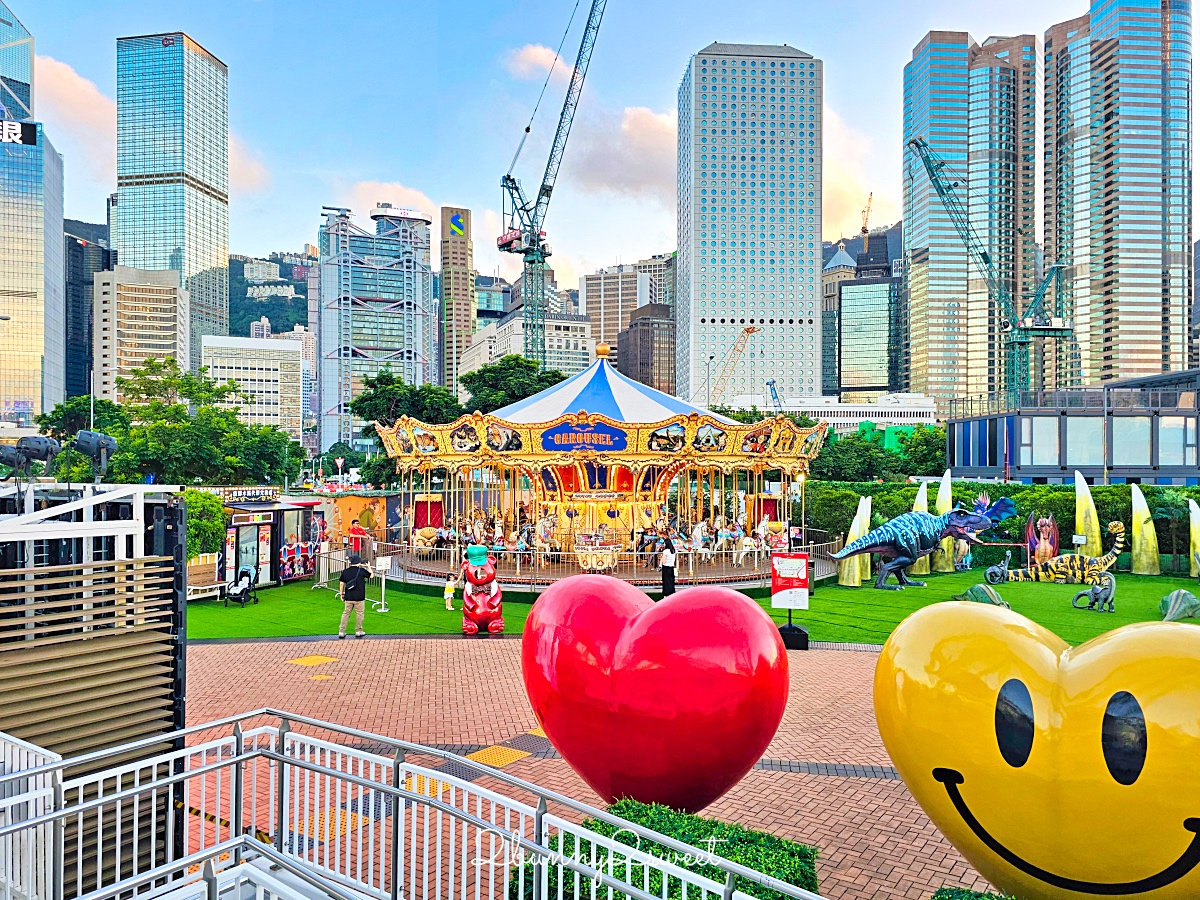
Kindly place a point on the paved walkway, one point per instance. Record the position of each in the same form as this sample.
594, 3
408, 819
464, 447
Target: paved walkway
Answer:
825, 780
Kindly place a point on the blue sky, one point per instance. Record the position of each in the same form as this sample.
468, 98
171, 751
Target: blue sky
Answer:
423, 104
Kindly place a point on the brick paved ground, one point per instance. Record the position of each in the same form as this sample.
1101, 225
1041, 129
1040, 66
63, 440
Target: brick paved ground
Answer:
874, 839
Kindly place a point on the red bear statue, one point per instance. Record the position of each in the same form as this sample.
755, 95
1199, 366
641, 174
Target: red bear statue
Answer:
482, 606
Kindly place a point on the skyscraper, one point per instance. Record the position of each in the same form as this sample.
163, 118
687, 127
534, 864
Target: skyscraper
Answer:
749, 217
661, 269
32, 294
376, 311
458, 310
1118, 184
173, 170
139, 314
978, 107
16, 68
610, 296
85, 247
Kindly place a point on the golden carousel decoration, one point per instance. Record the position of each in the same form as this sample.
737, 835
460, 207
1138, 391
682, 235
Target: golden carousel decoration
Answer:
586, 466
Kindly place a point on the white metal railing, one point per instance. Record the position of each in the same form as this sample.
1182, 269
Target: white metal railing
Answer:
26, 856
533, 569
342, 810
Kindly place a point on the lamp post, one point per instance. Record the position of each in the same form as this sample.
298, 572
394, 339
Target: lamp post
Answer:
708, 380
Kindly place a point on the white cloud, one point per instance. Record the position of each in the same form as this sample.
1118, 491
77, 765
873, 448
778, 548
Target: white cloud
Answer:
845, 186
82, 122
80, 119
533, 61
629, 153
248, 174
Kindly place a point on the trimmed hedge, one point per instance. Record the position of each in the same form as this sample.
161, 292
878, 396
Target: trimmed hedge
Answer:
831, 506
785, 860
964, 894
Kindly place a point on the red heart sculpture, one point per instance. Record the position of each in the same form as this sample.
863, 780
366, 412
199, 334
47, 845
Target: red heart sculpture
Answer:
670, 702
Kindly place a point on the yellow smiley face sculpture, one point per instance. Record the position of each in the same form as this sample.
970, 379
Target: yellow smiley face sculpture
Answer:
1058, 772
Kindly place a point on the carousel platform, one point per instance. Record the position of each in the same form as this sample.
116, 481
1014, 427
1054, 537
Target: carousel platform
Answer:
520, 570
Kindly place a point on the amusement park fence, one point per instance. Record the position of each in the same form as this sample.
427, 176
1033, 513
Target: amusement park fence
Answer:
535, 570
274, 805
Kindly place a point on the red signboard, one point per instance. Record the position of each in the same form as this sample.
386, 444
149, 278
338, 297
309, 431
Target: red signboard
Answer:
789, 580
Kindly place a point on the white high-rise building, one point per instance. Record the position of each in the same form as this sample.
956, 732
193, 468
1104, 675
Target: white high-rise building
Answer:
269, 374
139, 314
749, 227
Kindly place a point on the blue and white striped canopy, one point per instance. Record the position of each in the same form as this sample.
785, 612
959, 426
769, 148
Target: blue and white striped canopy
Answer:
600, 389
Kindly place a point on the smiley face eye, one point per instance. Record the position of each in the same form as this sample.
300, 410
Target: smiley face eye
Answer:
1014, 723
1123, 738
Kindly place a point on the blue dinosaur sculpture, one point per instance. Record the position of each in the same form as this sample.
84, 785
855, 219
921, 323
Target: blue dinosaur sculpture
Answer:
908, 537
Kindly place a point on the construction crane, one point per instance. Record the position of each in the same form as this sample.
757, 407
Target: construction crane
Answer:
775, 397
1019, 330
525, 218
866, 214
739, 347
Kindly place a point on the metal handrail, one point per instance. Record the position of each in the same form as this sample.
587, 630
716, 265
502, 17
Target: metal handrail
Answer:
555, 797
730, 868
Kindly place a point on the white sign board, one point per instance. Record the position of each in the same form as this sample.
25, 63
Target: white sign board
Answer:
789, 580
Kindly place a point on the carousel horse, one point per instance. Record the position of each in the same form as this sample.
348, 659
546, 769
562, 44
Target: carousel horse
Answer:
748, 545
545, 545
701, 543
728, 537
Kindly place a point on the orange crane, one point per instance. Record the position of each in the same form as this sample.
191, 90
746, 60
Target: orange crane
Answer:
726, 373
866, 214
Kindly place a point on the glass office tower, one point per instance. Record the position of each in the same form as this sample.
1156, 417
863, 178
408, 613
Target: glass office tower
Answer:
1119, 184
32, 303
16, 67
749, 221
979, 108
173, 170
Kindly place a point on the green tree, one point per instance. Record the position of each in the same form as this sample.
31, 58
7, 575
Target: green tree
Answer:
352, 459
211, 446
205, 522
803, 420
853, 458
745, 416
385, 398
74, 415
379, 470
924, 450
509, 379
161, 391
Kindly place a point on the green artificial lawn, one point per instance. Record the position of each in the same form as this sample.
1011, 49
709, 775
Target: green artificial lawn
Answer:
297, 610
866, 615
856, 615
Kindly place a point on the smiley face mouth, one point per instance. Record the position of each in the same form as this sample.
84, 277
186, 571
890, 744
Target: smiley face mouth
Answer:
951, 779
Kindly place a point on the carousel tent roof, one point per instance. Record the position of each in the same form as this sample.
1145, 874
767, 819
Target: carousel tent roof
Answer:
600, 389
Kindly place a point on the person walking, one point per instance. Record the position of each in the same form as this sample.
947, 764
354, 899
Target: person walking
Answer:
666, 562
353, 591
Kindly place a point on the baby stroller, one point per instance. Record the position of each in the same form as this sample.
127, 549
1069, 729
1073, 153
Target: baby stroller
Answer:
244, 588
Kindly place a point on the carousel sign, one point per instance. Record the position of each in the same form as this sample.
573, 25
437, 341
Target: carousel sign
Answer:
598, 436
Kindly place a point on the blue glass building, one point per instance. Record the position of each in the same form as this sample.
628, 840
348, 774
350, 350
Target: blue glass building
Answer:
173, 170
979, 107
32, 302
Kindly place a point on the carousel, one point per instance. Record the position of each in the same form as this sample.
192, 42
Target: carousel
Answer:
594, 467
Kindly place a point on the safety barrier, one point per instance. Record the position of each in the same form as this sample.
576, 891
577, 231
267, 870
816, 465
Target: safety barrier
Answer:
26, 860
537, 569
283, 804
